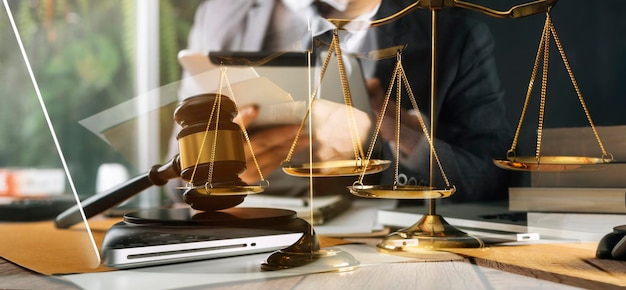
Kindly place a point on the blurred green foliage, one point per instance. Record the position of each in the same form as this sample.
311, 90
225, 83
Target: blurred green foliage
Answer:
82, 56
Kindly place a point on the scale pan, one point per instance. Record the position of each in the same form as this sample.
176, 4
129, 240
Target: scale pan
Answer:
335, 168
400, 191
552, 163
228, 190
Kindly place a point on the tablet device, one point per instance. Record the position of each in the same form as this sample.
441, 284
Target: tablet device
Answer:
279, 83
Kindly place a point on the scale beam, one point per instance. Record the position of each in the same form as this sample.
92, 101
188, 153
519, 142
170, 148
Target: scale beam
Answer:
517, 11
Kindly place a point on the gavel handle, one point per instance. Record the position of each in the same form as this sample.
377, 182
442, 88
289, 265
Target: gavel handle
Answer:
102, 202
158, 175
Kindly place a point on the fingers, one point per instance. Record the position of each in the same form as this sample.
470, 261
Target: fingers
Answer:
268, 139
376, 93
271, 147
410, 124
246, 115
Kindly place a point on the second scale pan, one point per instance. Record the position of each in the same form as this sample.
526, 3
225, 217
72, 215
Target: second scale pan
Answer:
335, 168
552, 163
228, 190
400, 191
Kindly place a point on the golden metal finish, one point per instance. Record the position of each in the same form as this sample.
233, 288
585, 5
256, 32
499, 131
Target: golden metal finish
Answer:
224, 77
576, 160
228, 190
307, 254
550, 163
400, 191
190, 147
382, 53
211, 146
336, 168
222, 149
400, 80
517, 11
431, 232
323, 260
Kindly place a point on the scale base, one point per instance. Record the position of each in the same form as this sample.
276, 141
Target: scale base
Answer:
324, 260
306, 253
431, 232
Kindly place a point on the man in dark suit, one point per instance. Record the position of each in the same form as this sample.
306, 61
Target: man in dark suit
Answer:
470, 121
469, 113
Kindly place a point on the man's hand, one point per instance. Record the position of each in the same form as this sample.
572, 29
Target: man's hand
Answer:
410, 130
270, 145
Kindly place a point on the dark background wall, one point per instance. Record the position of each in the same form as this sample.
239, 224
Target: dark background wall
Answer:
593, 34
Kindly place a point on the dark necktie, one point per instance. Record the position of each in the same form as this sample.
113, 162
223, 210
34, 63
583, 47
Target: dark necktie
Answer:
322, 8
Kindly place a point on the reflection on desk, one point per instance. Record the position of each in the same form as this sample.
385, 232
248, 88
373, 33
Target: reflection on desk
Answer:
537, 266
16, 277
560, 265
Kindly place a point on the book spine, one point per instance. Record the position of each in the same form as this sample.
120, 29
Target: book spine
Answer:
22, 183
598, 224
575, 200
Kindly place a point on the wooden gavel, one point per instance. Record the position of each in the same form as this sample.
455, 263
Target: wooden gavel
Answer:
211, 150
211, 154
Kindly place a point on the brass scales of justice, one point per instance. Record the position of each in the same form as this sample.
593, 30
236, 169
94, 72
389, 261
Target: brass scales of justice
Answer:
203, 159
432, 231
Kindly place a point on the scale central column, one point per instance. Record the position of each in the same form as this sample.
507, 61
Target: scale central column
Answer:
434, 14
431, 231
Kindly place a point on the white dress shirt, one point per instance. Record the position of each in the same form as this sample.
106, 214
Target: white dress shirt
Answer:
304, 12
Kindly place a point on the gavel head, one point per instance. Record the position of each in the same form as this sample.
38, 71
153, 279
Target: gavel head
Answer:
211, 150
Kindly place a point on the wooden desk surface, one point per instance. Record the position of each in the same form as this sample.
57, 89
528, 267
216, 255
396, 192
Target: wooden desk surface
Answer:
569, 264
573, 264
16, 277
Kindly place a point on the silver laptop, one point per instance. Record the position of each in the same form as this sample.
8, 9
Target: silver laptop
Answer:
163, 240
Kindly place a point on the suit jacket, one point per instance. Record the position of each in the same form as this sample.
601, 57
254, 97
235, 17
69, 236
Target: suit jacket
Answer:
470, 116
470, 121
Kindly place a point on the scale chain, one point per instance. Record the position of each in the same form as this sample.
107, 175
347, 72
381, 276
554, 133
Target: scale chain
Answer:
543, 50
245, 131
578, 92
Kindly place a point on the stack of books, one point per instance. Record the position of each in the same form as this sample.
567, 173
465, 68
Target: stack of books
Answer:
591, 200
594, 211
568, 200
